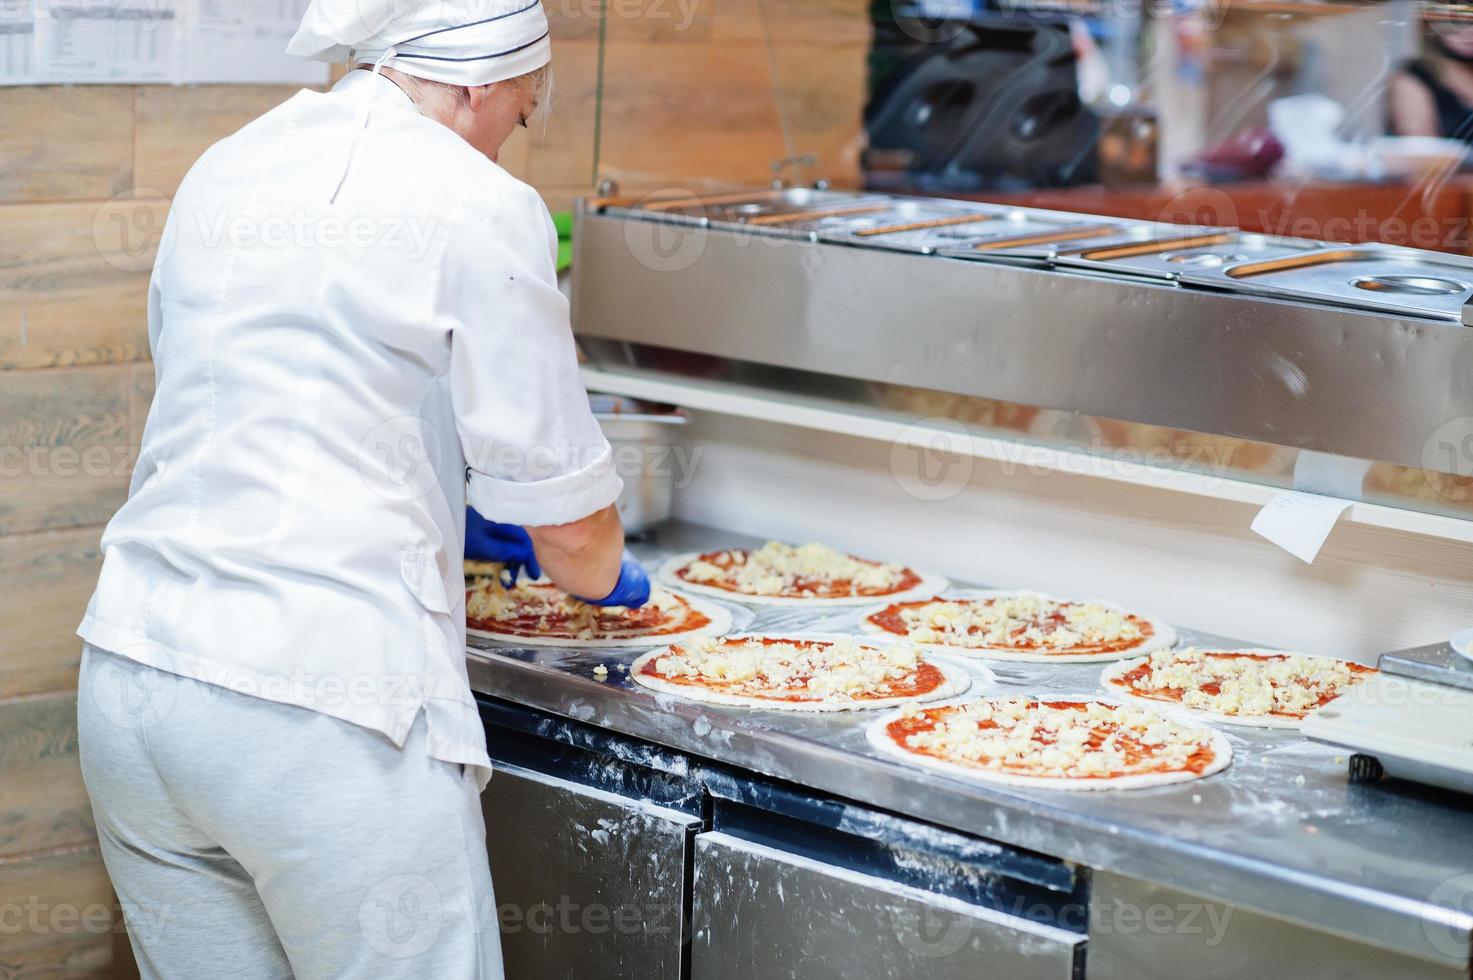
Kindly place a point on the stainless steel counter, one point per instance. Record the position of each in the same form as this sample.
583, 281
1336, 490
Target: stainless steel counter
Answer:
1281, 831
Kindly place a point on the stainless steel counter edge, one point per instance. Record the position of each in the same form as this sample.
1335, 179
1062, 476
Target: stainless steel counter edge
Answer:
570, 690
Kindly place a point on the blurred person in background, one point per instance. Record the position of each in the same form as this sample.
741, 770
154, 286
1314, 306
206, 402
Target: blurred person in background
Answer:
1433, 95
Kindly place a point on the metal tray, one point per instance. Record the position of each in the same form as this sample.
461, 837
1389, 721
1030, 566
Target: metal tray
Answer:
1039, 238
917, 225
777, 209
1374, 277
1184, 253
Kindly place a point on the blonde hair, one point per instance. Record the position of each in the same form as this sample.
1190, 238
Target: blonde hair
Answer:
444, 97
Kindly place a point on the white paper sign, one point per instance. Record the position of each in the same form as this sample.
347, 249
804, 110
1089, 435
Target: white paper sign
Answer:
1299, 522
168, 42
108, 42
244, 41
17, 42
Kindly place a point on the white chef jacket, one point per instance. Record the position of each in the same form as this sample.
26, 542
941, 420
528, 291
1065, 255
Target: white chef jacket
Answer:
333, 381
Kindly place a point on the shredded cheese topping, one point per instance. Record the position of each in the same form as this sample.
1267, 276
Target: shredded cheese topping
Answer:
1024, 736
819, 670
554, 610
1261, 684
777, 569
1018, 621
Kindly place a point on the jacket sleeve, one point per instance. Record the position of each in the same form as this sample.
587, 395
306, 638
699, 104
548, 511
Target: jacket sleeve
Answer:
534, 452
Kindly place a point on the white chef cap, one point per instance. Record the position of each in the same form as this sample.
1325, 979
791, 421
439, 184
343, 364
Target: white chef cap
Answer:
462, 42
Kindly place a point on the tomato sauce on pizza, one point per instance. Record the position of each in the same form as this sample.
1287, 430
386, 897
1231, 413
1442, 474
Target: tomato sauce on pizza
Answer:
1243, 683
1086, 740
794, 670
543, 611
1023, 624
810, 571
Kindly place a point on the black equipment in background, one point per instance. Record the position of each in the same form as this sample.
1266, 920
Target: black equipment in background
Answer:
976, 105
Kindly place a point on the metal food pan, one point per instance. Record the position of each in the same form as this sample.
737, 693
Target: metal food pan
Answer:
777, 208
913, 224
1040, 240
1376, 277
1181, 253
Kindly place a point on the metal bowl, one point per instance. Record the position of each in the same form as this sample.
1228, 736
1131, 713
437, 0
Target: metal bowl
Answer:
644, 440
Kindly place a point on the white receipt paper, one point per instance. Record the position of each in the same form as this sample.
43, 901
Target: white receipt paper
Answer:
1299, 522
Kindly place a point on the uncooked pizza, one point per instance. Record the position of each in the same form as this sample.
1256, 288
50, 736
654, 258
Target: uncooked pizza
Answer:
1265, 688
804, 672
540, 614
810, 574
1071, 744
1023, 626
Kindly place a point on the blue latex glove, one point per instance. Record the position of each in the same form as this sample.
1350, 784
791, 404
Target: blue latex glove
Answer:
632, 589
505, 544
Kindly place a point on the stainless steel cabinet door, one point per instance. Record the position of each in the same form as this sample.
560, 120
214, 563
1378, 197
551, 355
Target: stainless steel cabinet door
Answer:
588, 884
762, 912
1140, 931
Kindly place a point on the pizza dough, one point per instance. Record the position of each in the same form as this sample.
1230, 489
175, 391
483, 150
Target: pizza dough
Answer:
762, 576
735, 669
993, 616
1260, 688
997, 740
687, 616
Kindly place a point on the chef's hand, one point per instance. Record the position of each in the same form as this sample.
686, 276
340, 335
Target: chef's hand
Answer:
505, 544
632, 589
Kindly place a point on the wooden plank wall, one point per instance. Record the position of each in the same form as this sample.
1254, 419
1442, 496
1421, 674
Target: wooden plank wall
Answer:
85, 178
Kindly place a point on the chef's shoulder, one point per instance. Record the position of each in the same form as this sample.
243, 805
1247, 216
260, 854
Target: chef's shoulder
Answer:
483, 201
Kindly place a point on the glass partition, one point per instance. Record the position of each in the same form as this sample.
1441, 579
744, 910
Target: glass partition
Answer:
1323, 119
1328, 120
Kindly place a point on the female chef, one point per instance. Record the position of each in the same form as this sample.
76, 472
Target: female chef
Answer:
356, 329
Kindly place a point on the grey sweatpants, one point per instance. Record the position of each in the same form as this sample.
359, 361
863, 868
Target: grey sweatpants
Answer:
247, 838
